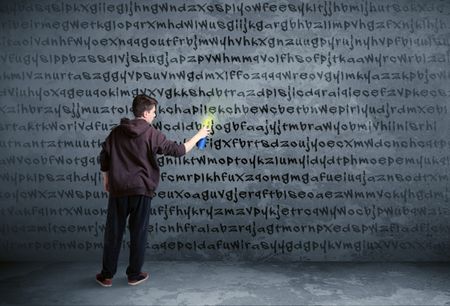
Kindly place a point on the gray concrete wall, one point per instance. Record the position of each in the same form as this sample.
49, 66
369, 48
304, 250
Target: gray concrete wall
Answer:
330, 119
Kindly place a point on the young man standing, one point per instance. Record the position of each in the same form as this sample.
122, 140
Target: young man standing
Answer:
131, 176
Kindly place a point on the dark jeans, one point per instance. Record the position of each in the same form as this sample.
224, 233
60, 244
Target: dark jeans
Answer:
137, 208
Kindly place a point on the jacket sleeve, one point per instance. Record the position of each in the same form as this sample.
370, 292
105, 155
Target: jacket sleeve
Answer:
166, 146
105, 156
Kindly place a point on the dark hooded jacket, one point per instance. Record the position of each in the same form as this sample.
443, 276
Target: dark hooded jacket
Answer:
129, 156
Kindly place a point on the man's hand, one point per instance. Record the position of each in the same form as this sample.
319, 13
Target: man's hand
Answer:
202, 133
105, 181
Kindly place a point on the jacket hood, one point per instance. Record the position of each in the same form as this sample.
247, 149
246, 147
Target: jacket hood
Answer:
134, 127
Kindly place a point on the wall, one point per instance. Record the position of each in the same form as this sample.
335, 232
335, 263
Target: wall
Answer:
330, 118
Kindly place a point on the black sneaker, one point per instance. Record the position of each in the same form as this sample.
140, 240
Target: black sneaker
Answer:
142, 277
105, 282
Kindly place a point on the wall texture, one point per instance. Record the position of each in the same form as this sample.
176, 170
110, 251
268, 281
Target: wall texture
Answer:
330, 118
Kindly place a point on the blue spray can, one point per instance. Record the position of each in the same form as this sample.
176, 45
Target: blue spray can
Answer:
201, 144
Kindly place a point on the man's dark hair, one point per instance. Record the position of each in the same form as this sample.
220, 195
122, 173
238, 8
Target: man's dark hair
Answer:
142, 103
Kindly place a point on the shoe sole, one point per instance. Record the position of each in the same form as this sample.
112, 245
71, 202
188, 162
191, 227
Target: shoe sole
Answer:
101, 284
138, 282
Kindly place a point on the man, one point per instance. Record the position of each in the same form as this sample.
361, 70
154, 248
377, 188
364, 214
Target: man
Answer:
131, 176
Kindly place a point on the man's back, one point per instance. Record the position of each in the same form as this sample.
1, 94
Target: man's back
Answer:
129, 157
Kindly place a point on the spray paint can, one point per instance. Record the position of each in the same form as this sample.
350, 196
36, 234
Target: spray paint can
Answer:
201, 144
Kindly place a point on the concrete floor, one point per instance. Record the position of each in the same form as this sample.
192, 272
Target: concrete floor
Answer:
229, 283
